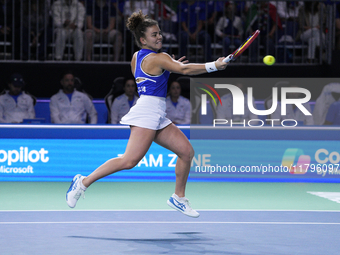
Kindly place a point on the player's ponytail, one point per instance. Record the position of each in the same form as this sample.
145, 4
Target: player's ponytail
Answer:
138, 23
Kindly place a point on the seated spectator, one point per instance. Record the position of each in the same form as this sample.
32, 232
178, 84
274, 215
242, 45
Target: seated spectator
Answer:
215, 11
36, 29
311, 23
324, 101
192, 15
15, 104
178, 108
101, 23
288, 13
5, 20
337, 27
333, 114
263, 16
225, 111
168, 21
146, 6
10, 29
70, 106
121, 105
288, 10
68, 18
229, 29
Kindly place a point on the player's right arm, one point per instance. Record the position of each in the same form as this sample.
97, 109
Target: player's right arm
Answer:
165, 62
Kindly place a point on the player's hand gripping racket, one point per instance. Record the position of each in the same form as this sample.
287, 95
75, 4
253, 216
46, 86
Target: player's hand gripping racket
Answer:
243, 47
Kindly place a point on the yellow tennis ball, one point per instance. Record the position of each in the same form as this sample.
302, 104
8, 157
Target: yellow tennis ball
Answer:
269, 60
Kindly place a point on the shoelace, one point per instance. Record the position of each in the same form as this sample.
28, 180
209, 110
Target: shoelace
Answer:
185, 200
79, 193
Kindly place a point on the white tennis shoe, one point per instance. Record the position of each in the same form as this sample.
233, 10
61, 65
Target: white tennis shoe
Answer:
182, 204
75, 191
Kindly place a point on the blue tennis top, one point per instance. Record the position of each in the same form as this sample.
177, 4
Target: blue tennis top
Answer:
151, 85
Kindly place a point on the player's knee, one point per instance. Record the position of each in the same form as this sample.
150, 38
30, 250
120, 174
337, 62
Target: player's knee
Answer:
187, 153
192, 152
131, 163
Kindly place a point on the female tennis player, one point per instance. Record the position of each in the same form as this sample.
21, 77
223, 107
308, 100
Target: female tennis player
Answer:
147, 118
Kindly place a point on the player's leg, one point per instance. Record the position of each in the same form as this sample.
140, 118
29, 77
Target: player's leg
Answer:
173, 139
138, 144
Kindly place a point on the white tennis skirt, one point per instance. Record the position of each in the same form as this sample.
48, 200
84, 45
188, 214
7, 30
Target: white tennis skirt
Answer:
148, 112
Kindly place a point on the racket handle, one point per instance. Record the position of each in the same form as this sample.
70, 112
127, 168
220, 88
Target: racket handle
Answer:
228, 59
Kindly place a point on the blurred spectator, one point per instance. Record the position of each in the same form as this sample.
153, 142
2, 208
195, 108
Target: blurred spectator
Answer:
337, 26
6, 20
173, 4
119, 6
311, 23
263, 16
147, 7
101, 23
288, 13
15, 104
225, 111
242, 8
10, 24
324, 101
229, 29
70, 106
192, 15
178, 108
292, 112
68, 18
36, 30
333, 114
215, 11
122, 104
288, 10
168, 21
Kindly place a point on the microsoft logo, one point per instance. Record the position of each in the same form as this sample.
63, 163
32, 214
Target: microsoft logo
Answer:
296, 161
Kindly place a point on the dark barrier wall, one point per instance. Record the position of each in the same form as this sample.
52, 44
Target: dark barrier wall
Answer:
43, 78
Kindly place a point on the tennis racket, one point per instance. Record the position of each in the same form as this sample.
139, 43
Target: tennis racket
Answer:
243, 47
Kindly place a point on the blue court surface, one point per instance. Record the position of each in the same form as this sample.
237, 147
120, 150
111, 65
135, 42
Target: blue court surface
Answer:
169, 232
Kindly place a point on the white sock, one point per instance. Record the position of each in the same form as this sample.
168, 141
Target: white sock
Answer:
82, 186
177, 197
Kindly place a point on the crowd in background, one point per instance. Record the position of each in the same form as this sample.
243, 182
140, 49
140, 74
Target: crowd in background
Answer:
86, 30
73, 105
91, 30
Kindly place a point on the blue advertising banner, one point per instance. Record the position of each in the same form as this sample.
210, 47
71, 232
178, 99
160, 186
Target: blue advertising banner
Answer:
57, 153
61, 159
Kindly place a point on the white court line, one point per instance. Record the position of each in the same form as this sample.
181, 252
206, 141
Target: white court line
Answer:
170, 210
76, 126
169, 222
